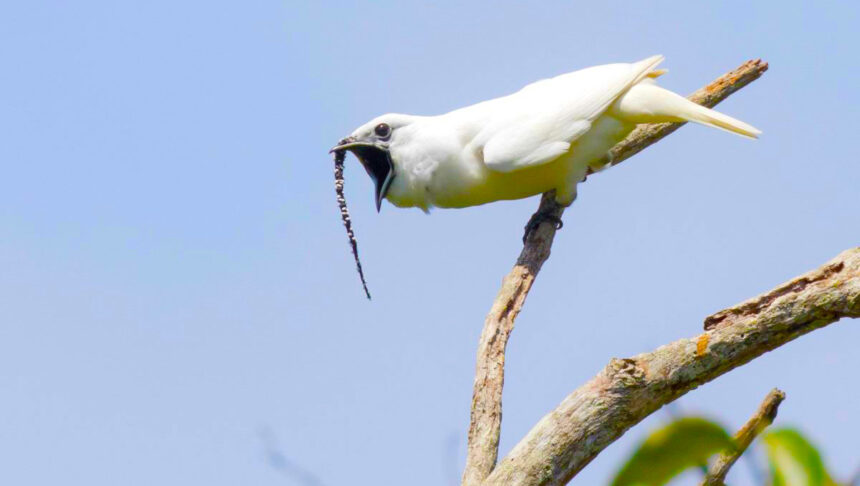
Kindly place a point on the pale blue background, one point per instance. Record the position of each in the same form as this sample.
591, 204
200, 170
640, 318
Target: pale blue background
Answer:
178, 302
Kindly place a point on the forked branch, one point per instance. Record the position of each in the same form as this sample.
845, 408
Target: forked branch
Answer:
628, 390
486, 415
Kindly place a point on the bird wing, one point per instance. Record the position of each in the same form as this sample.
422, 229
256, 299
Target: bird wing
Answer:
538, 123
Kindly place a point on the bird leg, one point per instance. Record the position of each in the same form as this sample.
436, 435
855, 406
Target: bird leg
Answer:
543, 215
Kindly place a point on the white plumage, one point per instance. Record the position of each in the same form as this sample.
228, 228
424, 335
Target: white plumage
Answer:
545, 136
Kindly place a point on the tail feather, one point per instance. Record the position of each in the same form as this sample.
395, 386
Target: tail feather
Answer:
712, 118
648, 103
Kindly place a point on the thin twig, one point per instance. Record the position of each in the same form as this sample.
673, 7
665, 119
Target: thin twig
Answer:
628, 390
763, 417
486, 415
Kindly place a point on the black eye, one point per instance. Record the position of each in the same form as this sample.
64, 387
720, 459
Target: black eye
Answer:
382, 130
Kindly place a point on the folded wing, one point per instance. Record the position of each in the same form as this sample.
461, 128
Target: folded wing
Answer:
538, 123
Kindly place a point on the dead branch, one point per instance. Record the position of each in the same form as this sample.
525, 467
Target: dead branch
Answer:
486, 414
763, 417
628, 390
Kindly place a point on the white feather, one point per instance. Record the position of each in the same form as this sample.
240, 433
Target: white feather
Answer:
538, 123
544, 137
648, 103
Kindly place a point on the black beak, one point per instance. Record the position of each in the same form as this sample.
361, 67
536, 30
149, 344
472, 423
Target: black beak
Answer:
376, 160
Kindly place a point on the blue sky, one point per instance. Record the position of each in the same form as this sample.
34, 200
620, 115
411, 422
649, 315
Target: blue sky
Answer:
177, 295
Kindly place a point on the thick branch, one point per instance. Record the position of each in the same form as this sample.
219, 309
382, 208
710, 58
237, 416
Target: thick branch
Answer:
628, 390
486, 416
763, 417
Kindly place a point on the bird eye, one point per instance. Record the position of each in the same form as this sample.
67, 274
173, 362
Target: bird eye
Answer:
382, 130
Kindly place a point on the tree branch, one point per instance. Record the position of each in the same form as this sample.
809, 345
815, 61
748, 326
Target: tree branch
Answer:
486, 415
628, 390
763, 417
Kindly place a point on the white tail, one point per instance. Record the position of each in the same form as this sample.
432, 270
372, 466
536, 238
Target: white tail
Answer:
648, 103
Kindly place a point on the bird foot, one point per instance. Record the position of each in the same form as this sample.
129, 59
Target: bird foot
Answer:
546, 216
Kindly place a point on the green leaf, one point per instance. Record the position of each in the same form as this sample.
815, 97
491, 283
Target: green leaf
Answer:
684, 443
794, 461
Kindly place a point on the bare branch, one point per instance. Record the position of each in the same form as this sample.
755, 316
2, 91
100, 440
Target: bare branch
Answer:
628, 390
763, 417
486, 415
486, 418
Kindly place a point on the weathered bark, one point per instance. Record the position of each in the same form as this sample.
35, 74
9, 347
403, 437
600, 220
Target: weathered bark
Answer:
486, 415
628, 390
486, 418
763, 417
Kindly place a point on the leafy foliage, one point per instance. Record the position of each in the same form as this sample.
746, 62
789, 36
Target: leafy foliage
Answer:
794, 461
691, 441
686, 442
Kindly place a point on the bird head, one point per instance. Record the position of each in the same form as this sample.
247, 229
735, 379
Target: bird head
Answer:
372, 144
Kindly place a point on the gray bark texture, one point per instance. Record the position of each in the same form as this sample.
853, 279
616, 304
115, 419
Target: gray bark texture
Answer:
628, 390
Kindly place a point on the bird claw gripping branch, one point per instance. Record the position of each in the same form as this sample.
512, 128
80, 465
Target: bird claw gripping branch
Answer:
539, 218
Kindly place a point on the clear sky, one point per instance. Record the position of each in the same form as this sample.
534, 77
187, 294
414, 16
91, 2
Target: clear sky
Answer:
178, 301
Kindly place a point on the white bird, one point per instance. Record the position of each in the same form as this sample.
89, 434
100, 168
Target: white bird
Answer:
547, 136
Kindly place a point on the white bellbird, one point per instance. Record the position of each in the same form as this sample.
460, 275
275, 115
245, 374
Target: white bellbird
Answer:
546, 136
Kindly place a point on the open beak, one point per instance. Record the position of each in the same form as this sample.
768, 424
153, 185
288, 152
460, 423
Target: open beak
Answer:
376, 160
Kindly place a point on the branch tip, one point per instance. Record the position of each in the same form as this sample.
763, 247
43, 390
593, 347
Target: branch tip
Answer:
762, 418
